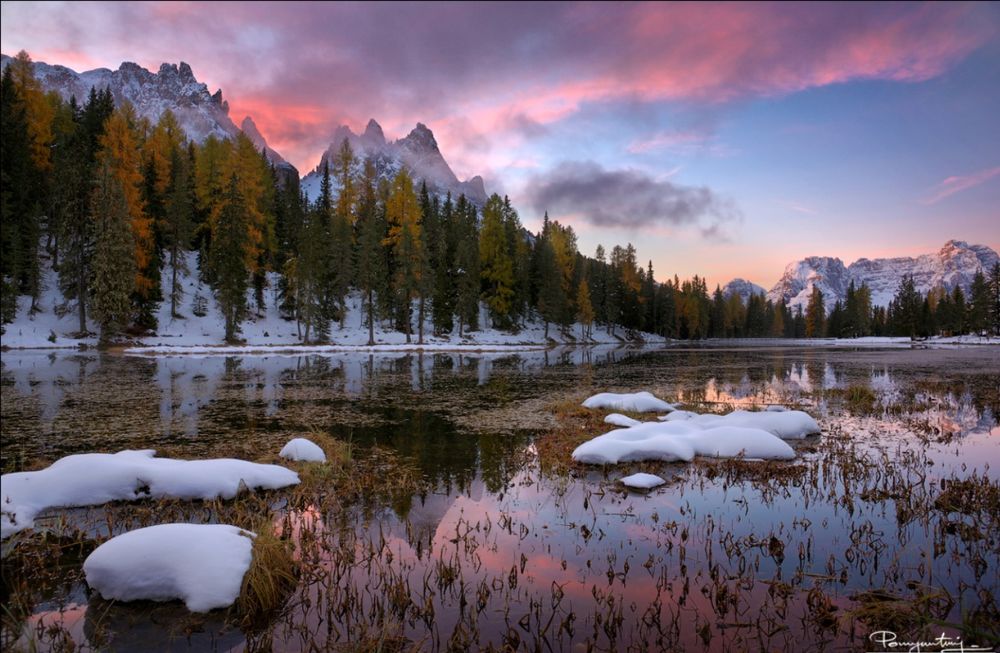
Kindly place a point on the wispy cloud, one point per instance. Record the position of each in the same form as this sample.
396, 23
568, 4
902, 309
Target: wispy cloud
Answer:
798, 207
958, 183
628, 198
297, 66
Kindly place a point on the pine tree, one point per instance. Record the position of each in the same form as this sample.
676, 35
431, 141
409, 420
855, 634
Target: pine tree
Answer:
496, 264
371, 268
442, 256
551, 302
905, 309
341, 233
113, 262
178, 221
815, 315
232, 251
979, 304
119, 151
467, 270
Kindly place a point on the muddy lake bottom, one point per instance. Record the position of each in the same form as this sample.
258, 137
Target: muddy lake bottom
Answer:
454, 519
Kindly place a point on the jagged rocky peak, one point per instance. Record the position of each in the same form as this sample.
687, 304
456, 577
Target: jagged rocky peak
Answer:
374, 133
174, 86
249, 127
421, 138
418, 151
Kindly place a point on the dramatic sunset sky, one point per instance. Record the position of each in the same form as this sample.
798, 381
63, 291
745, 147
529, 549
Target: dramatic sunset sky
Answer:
724, 140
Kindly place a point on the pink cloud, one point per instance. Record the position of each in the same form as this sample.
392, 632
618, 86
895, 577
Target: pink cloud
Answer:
958, 183
494, 72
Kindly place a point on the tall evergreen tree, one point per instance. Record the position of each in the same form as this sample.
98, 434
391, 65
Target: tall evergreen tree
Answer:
113, 262
232, 251
815, 314
979, 304
995, 298
371, 262
496, 264
467, 270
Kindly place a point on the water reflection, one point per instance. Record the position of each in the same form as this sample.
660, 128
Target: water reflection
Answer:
497, 552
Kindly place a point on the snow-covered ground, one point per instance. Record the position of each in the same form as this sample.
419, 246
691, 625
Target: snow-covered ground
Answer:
55, 325
95, 478
200, 564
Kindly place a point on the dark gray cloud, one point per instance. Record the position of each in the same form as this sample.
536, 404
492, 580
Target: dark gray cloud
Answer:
628, 198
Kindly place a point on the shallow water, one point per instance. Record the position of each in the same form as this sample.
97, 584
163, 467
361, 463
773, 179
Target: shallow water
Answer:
726, 556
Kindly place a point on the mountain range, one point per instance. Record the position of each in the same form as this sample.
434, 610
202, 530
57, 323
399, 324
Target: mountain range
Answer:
202, 114
418, 151
955, 264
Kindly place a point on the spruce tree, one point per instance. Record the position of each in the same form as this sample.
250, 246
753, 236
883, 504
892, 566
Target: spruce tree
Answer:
231, 245
113, 263
177, 227
467, 270
979, 304
815, 315
371, 269
496, 264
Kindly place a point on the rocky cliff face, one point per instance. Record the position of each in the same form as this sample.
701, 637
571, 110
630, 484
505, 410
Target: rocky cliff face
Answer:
200, 113
742, 288
954, 264
418, 151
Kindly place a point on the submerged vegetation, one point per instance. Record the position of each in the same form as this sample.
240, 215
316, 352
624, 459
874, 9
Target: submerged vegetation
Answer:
415, 536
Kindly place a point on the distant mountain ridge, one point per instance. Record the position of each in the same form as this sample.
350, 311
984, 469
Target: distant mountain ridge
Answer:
742, 288
955, 264
201, 114
418, 151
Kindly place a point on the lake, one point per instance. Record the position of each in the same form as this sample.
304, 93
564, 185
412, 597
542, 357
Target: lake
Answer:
469, 530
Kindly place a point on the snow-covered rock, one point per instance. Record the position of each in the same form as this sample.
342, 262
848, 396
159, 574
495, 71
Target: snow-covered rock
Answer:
95, 478
635, 402
742, 288
618, 419
642, 481
200, 564
955, 264
303, 450
418, 152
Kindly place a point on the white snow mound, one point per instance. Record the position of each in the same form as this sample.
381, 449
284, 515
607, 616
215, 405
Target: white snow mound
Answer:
681, 440
618, 419
303, 450
786, 424
636, 402
200, 564
642, 481
91, 479
647, 441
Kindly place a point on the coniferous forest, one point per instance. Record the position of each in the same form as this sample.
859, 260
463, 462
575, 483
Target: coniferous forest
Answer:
117, 203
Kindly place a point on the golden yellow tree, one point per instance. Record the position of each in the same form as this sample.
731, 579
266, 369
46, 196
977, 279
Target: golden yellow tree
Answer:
119, 151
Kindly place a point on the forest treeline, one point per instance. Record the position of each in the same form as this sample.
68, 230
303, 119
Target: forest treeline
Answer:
116, 203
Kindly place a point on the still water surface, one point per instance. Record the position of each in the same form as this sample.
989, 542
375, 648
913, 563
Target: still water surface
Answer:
499, 552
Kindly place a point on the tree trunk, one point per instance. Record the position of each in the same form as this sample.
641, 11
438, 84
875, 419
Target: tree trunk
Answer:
371, 319
408, 310
81, 297
461, 324
420, 324
173, 281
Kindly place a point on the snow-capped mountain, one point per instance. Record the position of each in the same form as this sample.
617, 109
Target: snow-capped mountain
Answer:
954, 264
201, 114
741, 288
418, 151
